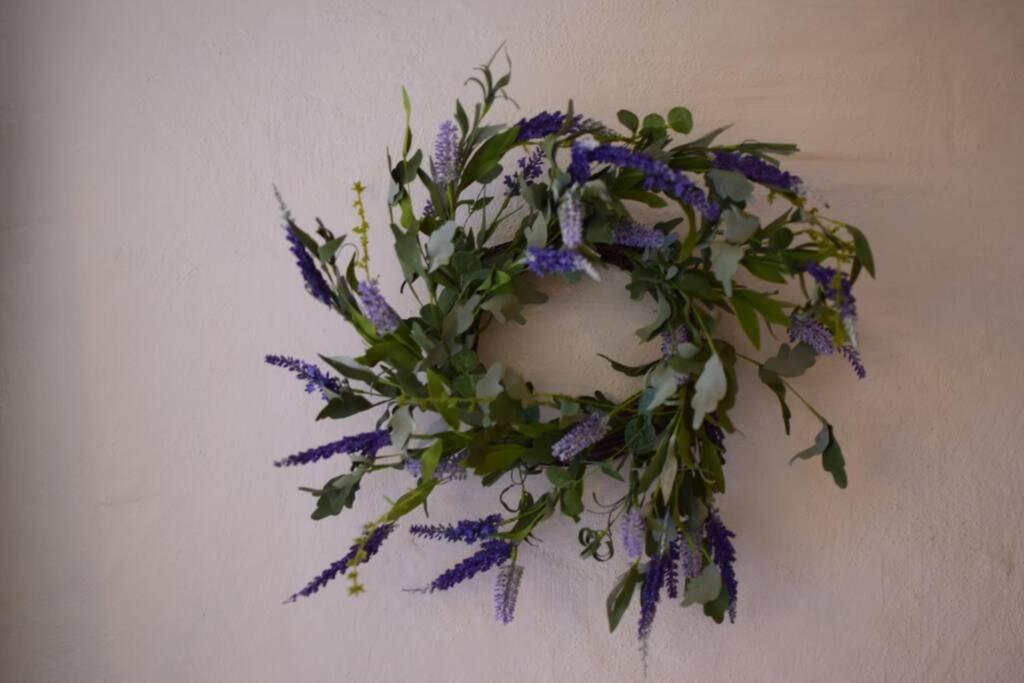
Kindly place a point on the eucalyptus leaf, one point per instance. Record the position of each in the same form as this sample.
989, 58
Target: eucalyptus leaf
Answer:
489, 385
739, 225
441, 245
709, 389
664, 381
791, 362
725, 258
705, 587
731, 185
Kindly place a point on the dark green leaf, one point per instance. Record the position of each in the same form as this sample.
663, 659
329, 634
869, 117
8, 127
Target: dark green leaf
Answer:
681, 120
620, 597
628, 119
791, 362
344, 406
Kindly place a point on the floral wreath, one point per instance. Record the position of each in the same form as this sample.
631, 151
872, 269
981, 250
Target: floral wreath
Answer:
564, 208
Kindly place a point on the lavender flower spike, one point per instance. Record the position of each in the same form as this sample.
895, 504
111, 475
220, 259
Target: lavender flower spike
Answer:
316, 285
812, 333
650, 594
506, 591
381, 315
631, 533
632, 234
314, 377
448, 469
570, 220
583, 435
758, 170
466, 531
717, 537
366, 444
852, 355
543, 261
446, 154
364, 548
491, 554
544, 124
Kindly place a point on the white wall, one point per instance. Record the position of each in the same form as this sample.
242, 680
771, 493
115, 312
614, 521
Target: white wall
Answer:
143, 534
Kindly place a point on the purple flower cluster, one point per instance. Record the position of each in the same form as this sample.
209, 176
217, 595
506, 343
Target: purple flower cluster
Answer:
631, 234
428, 208
506, 592
689, 560
852, 356
545, 124
717, 536
650, 594
671, 560
314, 377
546, 261
670, 339
811, 332
826, 278
367, 444
492, 553
570, 221
447, 469
658, 176
316, 285
583, 435
381, 315
366, 547
465, 531
446, 154
530, 168
631, 533
758, 170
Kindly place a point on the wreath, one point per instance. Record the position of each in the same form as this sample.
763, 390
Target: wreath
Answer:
554, 195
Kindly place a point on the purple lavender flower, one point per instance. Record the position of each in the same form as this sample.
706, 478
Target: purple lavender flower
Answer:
367, 444
381, 315
570, 221
530, 168
546, 261
658, 176
428, 208
583, 435
631, 234
691, 562
579, 165
650, 594
448, 469
506, 592
758, 170
311, 275
446, 154
631, 533
826, 278
671, 339
717, 536
466, 530
852, 355
314, 377
492, 553
365, 551
545, 124
717, 437
812, 333
671, 569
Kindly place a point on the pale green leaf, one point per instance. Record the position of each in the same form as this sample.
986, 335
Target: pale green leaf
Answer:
709, 389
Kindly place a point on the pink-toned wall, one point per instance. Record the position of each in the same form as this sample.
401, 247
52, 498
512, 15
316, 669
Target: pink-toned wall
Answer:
143, 534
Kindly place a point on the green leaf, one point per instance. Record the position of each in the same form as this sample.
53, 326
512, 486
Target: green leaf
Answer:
731, 185
725, 258
430, 458
489, 385
351, 368
747, 316
709, 389
486, 158
680, 120
505, 307
393, 352
628, 119
639, 435
411, 500
664, 311
705, 587
407, 247
739, 225
832, 455
441, 245
572, 500
862, 249
653, 122
791, 362
765, 305
537, 232
402, 426
773, 382
629, 370
496, 458
664, 382
344, 406
620, 597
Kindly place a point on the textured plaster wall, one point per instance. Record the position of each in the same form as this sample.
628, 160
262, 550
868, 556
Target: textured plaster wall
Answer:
143, 535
